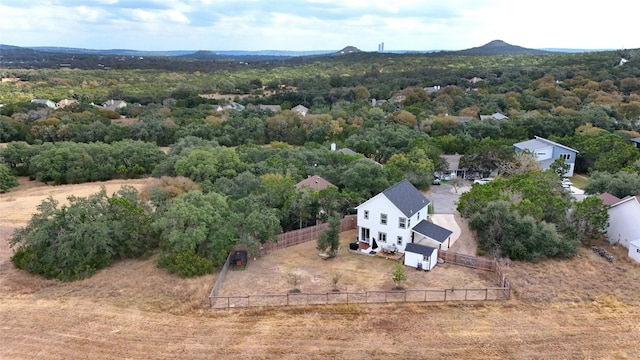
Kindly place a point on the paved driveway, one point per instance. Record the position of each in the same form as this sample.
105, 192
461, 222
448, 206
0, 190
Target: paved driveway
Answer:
444, 198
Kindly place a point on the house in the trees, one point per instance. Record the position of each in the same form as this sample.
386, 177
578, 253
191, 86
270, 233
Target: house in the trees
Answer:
636, 142
46, 102
232, 105
454, 170
624, 224
301, 109
66, 102
547, 151
315, 183
387, 220
420, 256
273, 108
494, 116
114, 105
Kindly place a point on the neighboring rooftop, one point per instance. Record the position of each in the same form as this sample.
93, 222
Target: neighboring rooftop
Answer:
538, 143
608, 199
314, 182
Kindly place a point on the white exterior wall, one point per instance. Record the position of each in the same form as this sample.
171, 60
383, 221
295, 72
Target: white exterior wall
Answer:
377, 205
623, 222
634, 250
428, 263
544, 153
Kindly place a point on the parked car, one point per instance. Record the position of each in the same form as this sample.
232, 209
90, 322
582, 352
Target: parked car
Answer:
566, 183
436, 181
482, 181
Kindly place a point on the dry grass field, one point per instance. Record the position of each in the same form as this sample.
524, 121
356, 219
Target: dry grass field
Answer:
583, 308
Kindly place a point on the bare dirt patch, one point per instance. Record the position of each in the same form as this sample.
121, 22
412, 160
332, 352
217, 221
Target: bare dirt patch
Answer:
133, 310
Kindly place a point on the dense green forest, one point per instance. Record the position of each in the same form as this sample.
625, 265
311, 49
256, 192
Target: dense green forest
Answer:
398, 112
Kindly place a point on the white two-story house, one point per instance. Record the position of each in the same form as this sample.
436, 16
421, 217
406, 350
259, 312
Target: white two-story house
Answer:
388, 218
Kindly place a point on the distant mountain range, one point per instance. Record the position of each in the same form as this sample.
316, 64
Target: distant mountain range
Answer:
495, 47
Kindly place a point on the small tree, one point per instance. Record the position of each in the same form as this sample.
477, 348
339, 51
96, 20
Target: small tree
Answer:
559, 167
293, 279
456, 182
329, 240
334, 281
398, 276
588, 220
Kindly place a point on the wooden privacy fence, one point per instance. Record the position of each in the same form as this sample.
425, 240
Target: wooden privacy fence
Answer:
364, 297
480, 264
468, 260
310, 233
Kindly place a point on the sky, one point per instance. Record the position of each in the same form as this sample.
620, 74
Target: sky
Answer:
304, 25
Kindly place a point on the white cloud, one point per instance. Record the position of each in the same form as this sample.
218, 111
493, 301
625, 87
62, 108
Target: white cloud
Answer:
316, 24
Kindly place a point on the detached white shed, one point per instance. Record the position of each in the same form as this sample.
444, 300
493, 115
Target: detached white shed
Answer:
634, 250
421, 256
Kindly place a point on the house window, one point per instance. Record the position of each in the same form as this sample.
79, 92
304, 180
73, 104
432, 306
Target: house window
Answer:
418, 215
382, 237
383, 219
565, 156
366, 214
409, 223
638, 250
399, 242
402, 223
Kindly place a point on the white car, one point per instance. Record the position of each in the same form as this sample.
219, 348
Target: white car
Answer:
482, 181
566, 183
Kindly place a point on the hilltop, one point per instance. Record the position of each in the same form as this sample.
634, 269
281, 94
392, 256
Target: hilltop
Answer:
499, 47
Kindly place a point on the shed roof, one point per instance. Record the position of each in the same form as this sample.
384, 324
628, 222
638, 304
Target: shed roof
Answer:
419, 249
432, 231
635, 243
636, 140
406, 197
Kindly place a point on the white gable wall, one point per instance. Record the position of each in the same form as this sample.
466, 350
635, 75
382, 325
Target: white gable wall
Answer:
623, 222
378, 205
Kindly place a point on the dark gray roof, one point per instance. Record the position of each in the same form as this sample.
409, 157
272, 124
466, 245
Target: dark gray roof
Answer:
419, 249
432, 231
406, 197
347, 151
